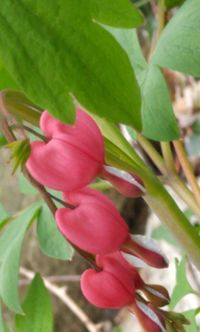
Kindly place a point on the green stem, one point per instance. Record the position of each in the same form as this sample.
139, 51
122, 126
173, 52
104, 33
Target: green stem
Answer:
152, 153
168, 156
187, 168
171, 177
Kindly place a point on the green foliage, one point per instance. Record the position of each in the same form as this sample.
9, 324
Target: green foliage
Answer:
191, 316
52, 60
10, 249
5, 79
161, 233
173, 3
116, 13
3, 140
4, 217
20, 153
37, 308
51, 241
117, 329
158, 118
182, 287
178, 47
2, 324
25, 186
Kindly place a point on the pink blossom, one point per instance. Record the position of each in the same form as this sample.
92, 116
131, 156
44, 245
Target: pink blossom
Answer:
94, 225
113, 286
73, 155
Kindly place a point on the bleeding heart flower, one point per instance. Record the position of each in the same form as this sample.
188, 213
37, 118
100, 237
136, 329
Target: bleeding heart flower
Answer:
113, 286
94, 225
73, 155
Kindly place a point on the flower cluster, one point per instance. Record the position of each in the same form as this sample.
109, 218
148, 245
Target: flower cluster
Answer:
68, 160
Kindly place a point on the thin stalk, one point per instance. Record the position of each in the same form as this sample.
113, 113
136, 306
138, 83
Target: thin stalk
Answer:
171, 178
187, 168
152, 153
168, 156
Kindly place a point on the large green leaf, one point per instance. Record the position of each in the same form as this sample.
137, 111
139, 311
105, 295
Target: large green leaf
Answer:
5, 79
51, 241
191, 316
178, 47
158, 118
56, 50
10, 249
182, 287
37, 308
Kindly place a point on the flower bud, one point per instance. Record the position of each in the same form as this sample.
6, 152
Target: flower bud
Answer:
146, 250
73, 155
157, 295
112, 287
148, 317
127, 184
94, 225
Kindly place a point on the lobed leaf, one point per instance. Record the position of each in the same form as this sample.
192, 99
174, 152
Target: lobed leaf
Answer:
182, 287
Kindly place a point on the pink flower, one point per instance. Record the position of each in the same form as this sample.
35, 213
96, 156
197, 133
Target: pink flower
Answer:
127, 184
113, 286
94, 225
72, 157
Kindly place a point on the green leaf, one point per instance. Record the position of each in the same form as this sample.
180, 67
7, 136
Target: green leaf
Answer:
51, 241
116, 13
2, 324
37, 308
10, 249
5, 79
56, 51
191, 316
161, 233
117, 329
3, 140
158, 117
178, 47
25, 186
173, 3
182, 287
4, 216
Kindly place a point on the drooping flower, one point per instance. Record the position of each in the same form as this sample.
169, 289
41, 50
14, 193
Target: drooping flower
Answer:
73, 155
94, 225
113, 286
127, 184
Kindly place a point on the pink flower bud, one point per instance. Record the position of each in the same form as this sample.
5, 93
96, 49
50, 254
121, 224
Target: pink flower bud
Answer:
127, 184
112, 287
146, 250
94, 225
150, 320
72, 157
